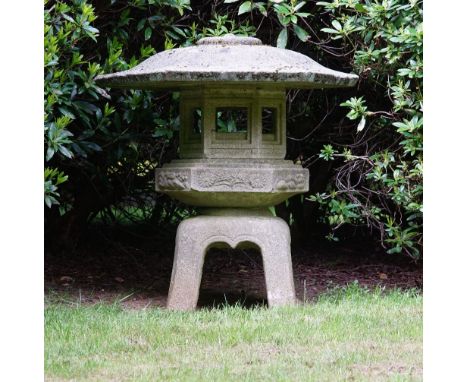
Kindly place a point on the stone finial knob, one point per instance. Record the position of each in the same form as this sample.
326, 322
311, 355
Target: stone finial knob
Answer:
229, 39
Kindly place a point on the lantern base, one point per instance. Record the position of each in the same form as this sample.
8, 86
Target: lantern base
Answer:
234, 228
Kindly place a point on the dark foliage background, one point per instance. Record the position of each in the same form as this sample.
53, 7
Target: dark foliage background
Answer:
363, 146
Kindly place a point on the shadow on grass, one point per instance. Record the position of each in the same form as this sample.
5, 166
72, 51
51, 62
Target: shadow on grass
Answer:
214, 300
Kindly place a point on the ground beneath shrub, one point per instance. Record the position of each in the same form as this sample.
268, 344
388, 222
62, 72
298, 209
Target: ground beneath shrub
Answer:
135, 270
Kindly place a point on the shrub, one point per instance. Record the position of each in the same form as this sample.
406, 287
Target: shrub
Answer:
379, 177
106, 152
376, 169
363, 145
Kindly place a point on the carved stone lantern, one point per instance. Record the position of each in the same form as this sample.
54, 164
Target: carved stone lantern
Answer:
232, 149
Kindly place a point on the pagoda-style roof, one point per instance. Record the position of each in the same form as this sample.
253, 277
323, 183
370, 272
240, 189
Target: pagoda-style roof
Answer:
230, 60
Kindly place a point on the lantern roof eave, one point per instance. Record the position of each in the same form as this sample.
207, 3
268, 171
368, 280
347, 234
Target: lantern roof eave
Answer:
228, 60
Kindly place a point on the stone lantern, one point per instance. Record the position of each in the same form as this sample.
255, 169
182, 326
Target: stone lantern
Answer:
232, 149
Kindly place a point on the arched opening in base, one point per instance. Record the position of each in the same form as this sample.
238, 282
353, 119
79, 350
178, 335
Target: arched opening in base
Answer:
233, 277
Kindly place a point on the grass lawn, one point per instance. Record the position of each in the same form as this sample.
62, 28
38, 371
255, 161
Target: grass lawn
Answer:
349, 334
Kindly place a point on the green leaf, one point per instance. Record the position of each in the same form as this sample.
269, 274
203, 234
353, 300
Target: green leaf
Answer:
394, 250
285, 20
299, 6
61, 179
166, 133
91, 29
93, 146
262, 9
282, 40
50, 153
329, 30
48, 201
68, 18
230, 1
362, 124
179, 31
301, 33
66, 152
148, 33
141, 24
245, 7
86, 107
336, 24
66, 112
360, 8
281, 8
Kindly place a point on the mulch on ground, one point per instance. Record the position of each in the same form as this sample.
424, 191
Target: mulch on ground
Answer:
135, 269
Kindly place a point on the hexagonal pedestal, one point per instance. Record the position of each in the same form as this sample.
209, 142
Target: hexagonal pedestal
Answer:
226, 183
231, 228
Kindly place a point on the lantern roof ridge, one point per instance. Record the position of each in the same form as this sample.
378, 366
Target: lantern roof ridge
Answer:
229, 39
228, 59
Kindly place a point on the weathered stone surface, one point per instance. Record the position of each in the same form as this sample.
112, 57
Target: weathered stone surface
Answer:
226, 166
173, 180
232, 183
253, 143
232, 228
228, 60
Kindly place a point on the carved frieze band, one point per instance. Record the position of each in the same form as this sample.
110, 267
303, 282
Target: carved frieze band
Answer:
297, 181
172, 180
230, 179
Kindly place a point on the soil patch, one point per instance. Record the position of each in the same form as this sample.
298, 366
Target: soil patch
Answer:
135, 269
